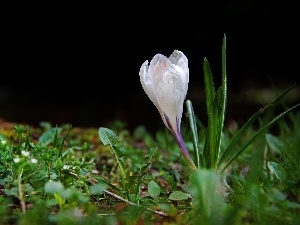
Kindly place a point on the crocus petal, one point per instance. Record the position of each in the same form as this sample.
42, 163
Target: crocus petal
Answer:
147, 84
179, 59
170, 93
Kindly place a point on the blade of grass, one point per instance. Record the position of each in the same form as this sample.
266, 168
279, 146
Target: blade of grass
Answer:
259, 132
210, 148
62, 143
241, 132
216, 107
89, 175
193, 125
134, 204
223, 98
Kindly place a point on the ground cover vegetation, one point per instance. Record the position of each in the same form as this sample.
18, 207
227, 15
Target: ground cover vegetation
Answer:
187, 173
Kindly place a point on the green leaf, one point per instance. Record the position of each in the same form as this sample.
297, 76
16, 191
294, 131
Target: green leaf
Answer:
178, 196
154, 189
224, 83
219, 98
293, 205
205, 186
53, 176
107, 136
49, 136
230, 148
105, 182
210, 148
277, 195
278, 170
98, 188
216, 107
275, 143
2, 138
54, 187
118, 151
193, 125
257, 134
13, 192
148, 159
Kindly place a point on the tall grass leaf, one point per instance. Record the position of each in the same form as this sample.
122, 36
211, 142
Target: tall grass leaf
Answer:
222, 98
193, 125
230, 148
259, 132
220, 119
216, 107
148, 160
212, 131
101, 180
224, 79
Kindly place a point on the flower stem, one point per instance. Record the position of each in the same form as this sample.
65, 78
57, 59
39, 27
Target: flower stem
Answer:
178, 137
184, 151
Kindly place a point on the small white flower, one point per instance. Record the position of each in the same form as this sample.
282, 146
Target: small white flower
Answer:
3, 142
25, 153
17, 160
165, 81
33, 160
65, 167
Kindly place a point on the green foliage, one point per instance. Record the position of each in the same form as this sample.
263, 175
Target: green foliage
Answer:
178, 196
108, 137
215, 105
65, 176
277, 170
154, 189
206, 189
41, 186
213, 156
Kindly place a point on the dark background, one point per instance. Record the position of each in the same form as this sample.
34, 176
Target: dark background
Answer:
79, 64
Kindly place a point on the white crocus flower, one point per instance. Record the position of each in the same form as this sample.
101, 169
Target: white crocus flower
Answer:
165, 81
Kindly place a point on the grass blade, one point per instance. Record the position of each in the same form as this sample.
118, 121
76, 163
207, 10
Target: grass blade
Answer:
241, 132
259, 132
193, 125
223, 97
210, 148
